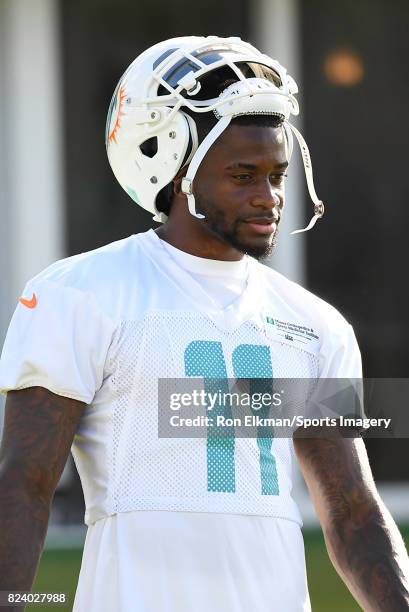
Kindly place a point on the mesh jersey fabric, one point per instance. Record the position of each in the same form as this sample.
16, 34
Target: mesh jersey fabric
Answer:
118, 318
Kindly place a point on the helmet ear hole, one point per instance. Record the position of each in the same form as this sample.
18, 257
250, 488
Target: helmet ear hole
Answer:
149, 147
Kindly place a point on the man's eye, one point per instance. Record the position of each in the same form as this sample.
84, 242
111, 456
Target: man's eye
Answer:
242, 177
277, 178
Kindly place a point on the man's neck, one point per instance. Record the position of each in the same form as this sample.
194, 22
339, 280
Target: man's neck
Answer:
192, 241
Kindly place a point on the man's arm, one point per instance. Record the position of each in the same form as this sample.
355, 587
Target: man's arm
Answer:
362, 539
39, 427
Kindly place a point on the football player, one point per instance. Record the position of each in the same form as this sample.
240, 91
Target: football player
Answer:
198, 133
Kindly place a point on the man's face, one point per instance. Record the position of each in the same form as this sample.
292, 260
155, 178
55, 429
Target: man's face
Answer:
239, 188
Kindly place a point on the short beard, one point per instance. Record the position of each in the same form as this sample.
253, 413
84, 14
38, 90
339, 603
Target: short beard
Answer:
215, 221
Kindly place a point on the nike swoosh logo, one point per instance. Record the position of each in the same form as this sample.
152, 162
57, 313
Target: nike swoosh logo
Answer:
29, 303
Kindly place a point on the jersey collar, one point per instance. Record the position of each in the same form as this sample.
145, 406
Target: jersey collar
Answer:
246, 307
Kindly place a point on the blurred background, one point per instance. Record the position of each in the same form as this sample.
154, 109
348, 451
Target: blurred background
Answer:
59, 63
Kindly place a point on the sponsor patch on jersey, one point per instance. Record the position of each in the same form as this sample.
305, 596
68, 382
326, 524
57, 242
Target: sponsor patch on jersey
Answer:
294, 334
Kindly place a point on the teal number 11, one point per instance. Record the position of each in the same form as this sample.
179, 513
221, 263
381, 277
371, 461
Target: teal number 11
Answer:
205, 358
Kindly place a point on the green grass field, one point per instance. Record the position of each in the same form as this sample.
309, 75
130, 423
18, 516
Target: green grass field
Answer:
59, 570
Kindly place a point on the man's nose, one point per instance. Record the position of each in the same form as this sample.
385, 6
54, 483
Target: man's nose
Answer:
267, 196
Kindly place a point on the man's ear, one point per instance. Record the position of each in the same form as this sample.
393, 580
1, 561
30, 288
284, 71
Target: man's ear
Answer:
177, 181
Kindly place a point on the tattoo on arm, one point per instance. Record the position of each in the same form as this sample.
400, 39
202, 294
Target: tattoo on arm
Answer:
38, 431
362, 539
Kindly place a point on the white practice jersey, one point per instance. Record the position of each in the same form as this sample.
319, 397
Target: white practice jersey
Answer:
107, 325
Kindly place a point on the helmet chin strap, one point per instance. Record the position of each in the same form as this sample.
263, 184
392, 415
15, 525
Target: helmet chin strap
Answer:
187, 181
306, 158
222, 124
160, 217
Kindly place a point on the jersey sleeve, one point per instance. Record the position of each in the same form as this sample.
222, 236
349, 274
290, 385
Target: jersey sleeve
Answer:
58, 338
339, 390
341, 357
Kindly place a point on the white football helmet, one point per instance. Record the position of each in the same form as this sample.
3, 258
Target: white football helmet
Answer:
149, 137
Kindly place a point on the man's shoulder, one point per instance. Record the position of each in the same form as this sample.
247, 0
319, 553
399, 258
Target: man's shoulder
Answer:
299, 298
91, 269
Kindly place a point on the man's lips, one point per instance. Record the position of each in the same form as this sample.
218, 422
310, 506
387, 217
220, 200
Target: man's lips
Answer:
262, 225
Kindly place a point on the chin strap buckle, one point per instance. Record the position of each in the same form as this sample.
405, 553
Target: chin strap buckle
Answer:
319, 209
187, 186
